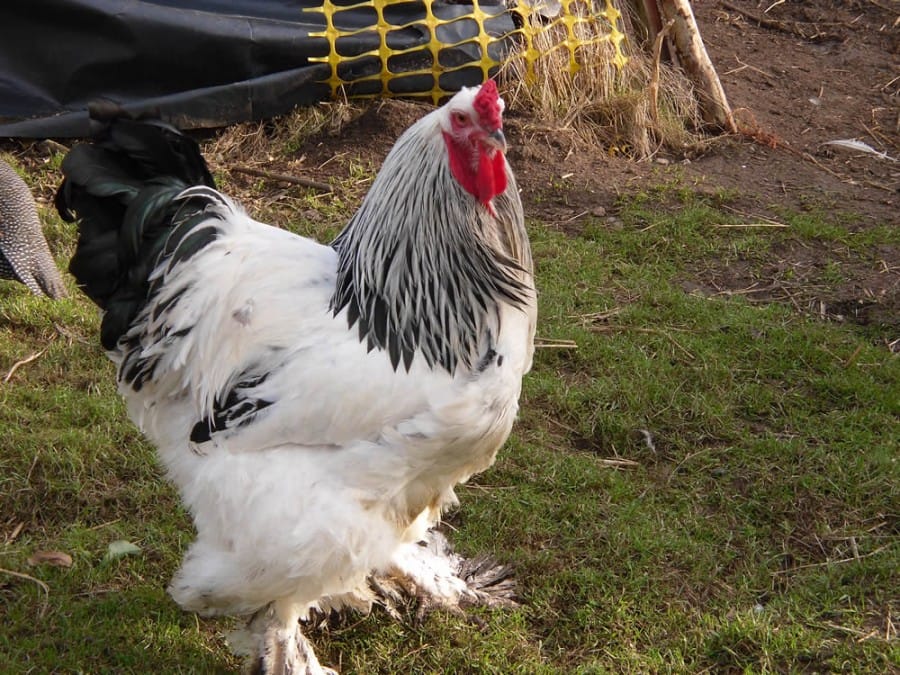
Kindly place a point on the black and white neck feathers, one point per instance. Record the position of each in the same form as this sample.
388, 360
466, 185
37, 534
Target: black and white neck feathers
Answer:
423, 266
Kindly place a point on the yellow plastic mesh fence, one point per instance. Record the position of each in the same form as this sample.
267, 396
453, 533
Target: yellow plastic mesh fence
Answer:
470, 41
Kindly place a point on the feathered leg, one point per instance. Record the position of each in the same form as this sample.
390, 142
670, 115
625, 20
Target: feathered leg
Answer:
432, 576
280, 647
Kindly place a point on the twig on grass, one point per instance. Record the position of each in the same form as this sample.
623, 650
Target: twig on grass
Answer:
619, 463
650, 331
543, 343
789, 296
752, 288
487, 488
739, 225
561, 425
26, 360
852, 357
331, 159
861, 635
687, 458
596, 317
34, 462
44, 587
102, 525
71, 336
762, 219
11, 537
878, 550
283, 177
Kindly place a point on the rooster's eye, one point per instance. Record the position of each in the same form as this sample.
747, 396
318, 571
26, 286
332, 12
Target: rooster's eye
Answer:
460, 117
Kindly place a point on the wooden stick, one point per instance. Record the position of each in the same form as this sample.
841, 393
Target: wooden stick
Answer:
617, 462
751, 225
851, 359
892, 10
653, 87
762, 21
754, 68
755, 215
27, 577
783, 26
697, 64
842, 561
541, 343
16, 365
283, 177
649, 331
15, 533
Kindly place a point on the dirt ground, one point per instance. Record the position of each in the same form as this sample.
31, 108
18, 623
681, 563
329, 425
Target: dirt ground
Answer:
812, 72
822, 71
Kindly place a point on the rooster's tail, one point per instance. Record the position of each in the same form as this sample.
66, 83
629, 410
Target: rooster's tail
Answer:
123, 190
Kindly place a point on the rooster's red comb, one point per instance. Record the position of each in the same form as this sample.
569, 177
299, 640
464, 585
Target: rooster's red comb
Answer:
487, 105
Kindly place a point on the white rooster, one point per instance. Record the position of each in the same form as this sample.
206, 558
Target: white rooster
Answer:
315, 405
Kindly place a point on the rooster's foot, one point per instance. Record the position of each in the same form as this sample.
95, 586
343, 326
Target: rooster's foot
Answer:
277, 647
429, 576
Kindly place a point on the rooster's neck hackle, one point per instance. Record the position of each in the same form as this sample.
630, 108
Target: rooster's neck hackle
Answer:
424, 267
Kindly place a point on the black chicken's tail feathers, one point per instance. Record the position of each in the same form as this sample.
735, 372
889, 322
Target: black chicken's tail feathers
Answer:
122, 190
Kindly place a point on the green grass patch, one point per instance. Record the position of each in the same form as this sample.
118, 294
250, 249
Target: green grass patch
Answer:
703, 484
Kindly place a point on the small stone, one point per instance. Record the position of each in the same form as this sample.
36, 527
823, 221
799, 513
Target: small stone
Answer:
598, 211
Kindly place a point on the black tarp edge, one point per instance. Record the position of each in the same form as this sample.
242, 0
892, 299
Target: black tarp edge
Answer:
200, 63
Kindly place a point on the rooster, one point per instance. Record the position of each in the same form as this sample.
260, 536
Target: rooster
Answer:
315, 405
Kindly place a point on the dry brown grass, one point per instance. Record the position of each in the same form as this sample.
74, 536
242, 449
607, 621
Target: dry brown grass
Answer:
601, 104
256, 143
274, 147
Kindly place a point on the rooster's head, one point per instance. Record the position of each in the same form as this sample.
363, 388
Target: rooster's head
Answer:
472, 125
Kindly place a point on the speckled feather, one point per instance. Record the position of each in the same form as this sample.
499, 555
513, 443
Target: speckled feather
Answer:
24, 254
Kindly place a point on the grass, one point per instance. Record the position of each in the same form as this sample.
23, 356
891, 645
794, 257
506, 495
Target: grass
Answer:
703, 484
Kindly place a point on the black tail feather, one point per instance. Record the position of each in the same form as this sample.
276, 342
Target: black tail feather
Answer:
122, 190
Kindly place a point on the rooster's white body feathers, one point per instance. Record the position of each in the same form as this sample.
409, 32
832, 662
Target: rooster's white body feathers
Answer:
351, 459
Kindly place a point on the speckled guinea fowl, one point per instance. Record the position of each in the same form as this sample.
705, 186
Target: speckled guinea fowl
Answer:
24, 254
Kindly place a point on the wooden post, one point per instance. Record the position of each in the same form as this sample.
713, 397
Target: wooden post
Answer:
692, 53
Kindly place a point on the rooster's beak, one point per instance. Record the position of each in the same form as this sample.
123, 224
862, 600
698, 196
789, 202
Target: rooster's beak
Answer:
496, 140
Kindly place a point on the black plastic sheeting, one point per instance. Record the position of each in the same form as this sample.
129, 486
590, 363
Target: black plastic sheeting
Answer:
207, 63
